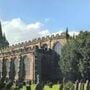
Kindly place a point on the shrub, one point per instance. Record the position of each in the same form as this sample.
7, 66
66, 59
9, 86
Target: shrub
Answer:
68, 86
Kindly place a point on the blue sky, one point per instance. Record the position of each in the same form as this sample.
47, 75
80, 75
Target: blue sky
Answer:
54, 14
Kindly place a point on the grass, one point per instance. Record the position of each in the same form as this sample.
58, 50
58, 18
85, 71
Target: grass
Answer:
57, 87
33, 86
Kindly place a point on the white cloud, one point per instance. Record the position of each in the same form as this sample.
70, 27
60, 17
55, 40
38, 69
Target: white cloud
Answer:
17, 30
44, 32
73, 33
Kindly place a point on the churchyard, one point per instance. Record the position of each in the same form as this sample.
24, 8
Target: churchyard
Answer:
49, 86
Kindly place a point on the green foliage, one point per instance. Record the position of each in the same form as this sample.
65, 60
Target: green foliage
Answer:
46, 87
47, 66
68, 86
22, 71
33, 86
4, 70
56, 87
69, 60
75, 60
12, 70
3, 41
24, 88
67, 34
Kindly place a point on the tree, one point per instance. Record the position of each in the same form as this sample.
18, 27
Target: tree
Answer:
84, 50
75, 60
67, 34
22, 71
4, 70
69, 61
47, 65
3, 41
12, 70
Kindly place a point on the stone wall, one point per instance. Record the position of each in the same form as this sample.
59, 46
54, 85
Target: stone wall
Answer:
27, 49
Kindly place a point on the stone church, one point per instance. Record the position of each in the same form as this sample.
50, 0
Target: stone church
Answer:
40, 57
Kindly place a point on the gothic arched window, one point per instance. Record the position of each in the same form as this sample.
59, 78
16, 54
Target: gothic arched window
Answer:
57, 47
27, 66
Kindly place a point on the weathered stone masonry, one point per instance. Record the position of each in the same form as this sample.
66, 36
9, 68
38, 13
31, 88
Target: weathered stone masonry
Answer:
27, 49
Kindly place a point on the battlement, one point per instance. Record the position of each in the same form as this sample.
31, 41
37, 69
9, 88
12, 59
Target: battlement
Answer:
42, 39
30, 45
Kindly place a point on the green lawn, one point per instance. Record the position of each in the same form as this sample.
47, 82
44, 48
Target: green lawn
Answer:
56, 87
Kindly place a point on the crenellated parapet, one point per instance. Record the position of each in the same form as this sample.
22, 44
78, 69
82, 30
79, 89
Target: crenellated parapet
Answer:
29, 46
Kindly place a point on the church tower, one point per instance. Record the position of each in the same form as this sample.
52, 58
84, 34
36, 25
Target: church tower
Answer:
3, 42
